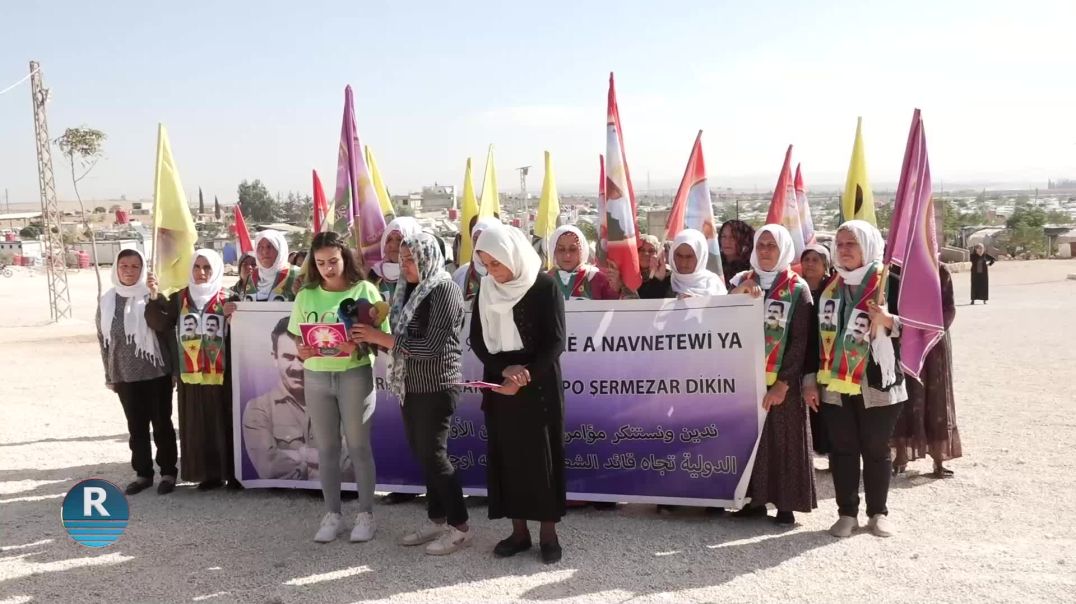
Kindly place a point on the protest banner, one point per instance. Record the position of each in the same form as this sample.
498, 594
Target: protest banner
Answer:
661, 404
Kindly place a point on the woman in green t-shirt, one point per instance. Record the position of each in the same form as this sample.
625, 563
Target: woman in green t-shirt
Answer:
339, 390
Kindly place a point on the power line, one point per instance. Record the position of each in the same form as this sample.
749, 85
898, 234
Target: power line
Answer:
24, 78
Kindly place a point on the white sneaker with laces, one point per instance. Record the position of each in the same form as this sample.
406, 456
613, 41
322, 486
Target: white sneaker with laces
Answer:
880, 526
451, 540
844, 527
424, 534
364, 528
330, 526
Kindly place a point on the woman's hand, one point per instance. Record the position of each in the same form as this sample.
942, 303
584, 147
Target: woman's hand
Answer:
879, 315
347, 347
749, 287
517, 374
612, 273
658, 269
306, 352
508, 388
152, 284
775, 395
810, 396
362, 333
229, 308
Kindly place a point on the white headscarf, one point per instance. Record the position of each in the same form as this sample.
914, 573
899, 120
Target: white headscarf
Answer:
480, 226
405, 226
134, 313
267, 276
701, 282
584, 253
788, 254
495, 300
202, 293
870, 241
821, 250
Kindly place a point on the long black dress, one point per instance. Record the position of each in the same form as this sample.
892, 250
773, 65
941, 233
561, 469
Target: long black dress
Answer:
980, 276
525, 471
811, 362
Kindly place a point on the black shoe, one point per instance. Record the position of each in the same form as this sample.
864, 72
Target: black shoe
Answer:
604, 505
209, 485
785, 518
664, 508
394, 498
511, 546
750, 511
715, 511
550, 552
167, 485
139, 485
235, 485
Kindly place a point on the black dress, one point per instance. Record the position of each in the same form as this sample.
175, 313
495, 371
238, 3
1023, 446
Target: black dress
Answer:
525, 461
980, 276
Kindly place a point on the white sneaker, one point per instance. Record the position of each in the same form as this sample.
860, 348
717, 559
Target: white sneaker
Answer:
451, 540
844, 527
330, 526
879, 526
426, 533
364, 527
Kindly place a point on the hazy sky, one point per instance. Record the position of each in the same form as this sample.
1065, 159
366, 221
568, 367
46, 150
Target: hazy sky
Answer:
255, 89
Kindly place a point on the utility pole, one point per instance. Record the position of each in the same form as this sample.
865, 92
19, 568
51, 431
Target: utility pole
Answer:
523, 171
55, 257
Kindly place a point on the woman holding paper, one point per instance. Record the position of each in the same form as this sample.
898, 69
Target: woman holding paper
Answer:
517, 332
338, 378
195, 314
783, 473
427, 321
860, 370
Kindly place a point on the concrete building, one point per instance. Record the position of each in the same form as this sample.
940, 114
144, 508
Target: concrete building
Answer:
438, 197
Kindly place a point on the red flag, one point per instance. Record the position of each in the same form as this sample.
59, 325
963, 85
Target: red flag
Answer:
692, 208
620, 209
913, 246
241, 233
603, 235
321, 206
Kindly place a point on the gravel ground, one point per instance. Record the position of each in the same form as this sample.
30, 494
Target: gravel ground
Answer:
1001, 531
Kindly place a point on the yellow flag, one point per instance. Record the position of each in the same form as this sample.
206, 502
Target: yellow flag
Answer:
491, 199
174, 234
548, 208
469, 211
379, 184
858, 199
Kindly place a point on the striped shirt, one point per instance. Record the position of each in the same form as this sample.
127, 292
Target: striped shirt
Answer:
431, 346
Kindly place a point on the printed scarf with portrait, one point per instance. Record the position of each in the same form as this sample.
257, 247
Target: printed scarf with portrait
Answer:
578, 287
787, 289
843, 357
203, 355
474, 280
283, 286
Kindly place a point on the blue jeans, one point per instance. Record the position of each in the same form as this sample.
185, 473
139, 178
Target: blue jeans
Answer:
336, 399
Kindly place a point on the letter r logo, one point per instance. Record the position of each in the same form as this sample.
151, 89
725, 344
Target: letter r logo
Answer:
93, 498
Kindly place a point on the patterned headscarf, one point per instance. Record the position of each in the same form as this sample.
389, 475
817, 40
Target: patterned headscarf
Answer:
431, 273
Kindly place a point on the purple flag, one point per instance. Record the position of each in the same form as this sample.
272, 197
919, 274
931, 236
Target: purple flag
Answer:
355, 204
913, 247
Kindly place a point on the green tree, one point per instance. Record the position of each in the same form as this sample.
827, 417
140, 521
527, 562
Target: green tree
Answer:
256, 202
31, 231
86, 147
298, 210
403, 210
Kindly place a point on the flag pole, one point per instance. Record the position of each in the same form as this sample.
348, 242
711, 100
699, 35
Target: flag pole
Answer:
156, 208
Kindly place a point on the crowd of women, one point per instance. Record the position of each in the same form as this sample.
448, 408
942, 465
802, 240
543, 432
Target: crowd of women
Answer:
834, 384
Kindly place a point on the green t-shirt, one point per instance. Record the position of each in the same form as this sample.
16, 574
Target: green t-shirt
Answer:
315, 305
